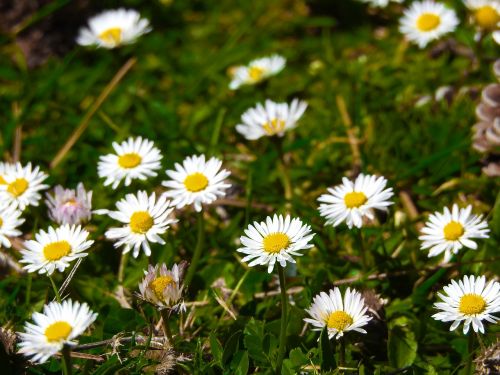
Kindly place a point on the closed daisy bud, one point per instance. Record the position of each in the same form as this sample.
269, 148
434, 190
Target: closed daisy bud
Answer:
10, 220
69, 206
257, 71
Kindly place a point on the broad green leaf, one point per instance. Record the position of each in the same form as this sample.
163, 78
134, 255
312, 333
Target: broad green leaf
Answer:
401, 347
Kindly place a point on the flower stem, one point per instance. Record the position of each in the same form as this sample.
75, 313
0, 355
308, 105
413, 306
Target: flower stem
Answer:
28, 289
54, 287
165, 315
121, 268
284, 304
197, 250
361, 245
342, 353
470, 357
66, 360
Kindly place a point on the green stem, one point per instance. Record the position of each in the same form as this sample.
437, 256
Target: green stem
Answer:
28, 289
284, 304
362, 251
66, 360
197, 250
470, 357
121, 268
56, 291
342, 353
165, 315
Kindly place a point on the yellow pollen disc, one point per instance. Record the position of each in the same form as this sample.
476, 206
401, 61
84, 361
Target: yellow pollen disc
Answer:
273, 127
196, 182
255, 73
339, 320
428, 22
131, 160
1, 222
58, 331
354, 199
487, 17
56, 250
159, 284
2, 180
111, 36
141, 222
472, 304
453, 231
275, 242
70, 202
18, 186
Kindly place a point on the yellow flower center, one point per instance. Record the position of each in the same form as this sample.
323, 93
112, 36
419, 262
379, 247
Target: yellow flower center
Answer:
275, 242
141, 222
339, 320
18, 186
1, 222
130, 160
2, 180
56, 250
255, 73
58, 331
159, 284
273, 127
487, 17
354, 199
472, 304
428, 21
453, 231
111, 36
70, 203
196, 182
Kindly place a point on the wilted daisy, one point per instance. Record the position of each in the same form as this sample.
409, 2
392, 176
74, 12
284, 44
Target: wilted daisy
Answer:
427, 20
59, 324
69, 206
144, 220
351, 201
270, 119
257, 71
449, 231
470, 300
22, 186
163, 287
10, 220
196, 182
276, 239
380, 3
113, 28
338, 314
486, 13
135, 158
56, 248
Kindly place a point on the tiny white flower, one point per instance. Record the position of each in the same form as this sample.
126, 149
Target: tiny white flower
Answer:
10, 220
59, 324
270, 119
55, 249
276, 239
196, 182
135, 158
351, 201
449, 231
257, 71
339, 315
470, 300
69, 206
485, 13
380, 3
113, 28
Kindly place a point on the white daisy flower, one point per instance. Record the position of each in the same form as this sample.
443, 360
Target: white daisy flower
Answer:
380, 3
144, 219
449, 231
351, 201
69, 206
10, 220
338, 314
56, 248
135, 158
486, 13
59, 324
271, 119
5, 168
257, 71
196, 182
276, 239
22, 186
427, 20
470, 300
113, 28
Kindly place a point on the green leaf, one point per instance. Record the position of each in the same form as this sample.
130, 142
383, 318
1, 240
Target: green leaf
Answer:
231, 347
327, 355
216, 348
298, 358
240, 363
254, 341
495, 220
401, 347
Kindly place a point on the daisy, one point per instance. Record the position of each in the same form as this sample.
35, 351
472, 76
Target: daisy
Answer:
276, 239
163, 287
144, 220
59, 324
486, 13
4, 169
55, 248
135, 158
257, 71
449, 231
338, 314
10, 220
427, 20
271, 119
470, 300
113, 28
22, 186
351, 201
380, 3
69, 206
196, 182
